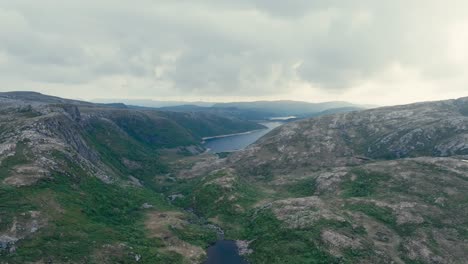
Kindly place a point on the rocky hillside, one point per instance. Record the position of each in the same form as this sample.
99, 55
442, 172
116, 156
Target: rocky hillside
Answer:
76, 178
90, 183
97, 135
422, 129
387, 185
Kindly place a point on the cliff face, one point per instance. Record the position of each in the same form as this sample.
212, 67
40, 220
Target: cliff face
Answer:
422, 129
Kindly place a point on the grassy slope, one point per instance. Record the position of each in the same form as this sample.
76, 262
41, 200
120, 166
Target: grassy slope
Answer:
83, 214
232, 207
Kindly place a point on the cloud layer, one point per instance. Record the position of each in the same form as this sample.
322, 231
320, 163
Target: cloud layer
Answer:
366, 51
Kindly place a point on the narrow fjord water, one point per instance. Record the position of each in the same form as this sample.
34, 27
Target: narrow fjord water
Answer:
240, 141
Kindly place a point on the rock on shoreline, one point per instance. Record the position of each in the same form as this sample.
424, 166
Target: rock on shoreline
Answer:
243, 247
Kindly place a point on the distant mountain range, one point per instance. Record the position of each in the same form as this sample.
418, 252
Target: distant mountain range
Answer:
290, 108
257, 110
151, 103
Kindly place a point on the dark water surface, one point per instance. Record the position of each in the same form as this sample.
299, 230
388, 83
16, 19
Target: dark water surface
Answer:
238, 142
224, 252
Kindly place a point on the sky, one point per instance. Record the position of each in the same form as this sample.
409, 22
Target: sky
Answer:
363, 51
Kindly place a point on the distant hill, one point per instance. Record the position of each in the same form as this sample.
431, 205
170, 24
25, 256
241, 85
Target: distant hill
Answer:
258, 110
35, 97
265, 110
151, 103
244, 114
289, 108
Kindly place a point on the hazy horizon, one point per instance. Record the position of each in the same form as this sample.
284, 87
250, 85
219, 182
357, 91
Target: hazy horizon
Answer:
364, 52
146, 102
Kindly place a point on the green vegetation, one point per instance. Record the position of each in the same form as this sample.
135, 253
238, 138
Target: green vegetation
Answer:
202, 124
83, 216
225, 197
28, 112
365, 183
12, 201
381, 214
386, 216
126, 155
201, 194
153, 131
464, 110
196, 234
223, 155
302, 188
18, 158
275, 243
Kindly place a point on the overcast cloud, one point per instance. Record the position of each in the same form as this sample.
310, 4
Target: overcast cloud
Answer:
380, 52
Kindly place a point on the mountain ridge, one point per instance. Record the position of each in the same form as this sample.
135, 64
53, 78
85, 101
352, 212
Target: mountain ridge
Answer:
386, 132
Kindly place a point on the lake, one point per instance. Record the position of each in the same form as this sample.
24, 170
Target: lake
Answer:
239, 141
224, 252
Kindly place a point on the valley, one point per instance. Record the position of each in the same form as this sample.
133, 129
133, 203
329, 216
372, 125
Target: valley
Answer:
95, 183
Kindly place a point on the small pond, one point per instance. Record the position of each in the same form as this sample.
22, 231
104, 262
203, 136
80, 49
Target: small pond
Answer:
224, 252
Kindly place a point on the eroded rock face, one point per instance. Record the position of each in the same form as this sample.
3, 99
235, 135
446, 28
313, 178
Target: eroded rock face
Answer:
47, 125
338, 242
243, 247
33, 136
418, 249
25, 175
415, 211
163, 224
304, 212
22, 226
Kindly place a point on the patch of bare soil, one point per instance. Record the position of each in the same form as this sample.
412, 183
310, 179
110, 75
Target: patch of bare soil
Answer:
302, 212
25, 175
159, 224
337, 242
382, 237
